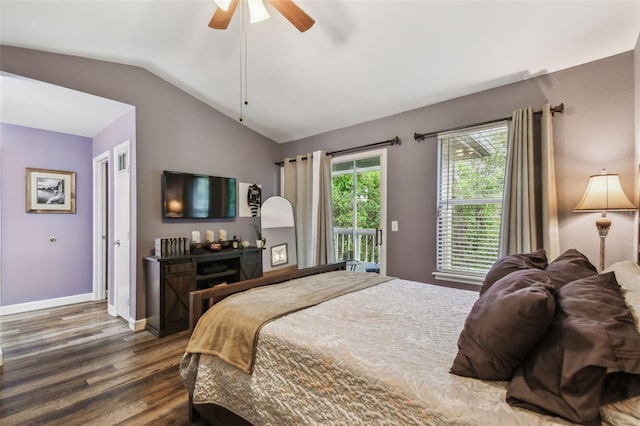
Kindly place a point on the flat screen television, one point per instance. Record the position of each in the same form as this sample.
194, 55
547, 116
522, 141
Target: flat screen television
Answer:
191, 196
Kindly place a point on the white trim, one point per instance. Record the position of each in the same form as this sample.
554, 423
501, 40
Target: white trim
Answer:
111, 309
99, 266
118, 168
459, 278
45, 304
138, 325
0, 235
382, 153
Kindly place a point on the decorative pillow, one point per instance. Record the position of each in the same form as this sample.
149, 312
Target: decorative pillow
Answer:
569, 266
504, 324
589, 357
511, 263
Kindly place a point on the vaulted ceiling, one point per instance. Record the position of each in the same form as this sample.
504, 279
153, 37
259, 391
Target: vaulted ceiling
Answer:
362, 60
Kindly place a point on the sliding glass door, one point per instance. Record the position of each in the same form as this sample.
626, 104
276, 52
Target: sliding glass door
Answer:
358, 184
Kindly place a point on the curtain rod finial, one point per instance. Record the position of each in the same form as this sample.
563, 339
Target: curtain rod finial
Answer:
558, 109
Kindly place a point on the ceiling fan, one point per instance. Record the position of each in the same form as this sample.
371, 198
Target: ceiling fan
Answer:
257, 13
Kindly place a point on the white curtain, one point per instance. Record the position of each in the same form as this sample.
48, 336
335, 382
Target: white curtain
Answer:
529, 211
307, 185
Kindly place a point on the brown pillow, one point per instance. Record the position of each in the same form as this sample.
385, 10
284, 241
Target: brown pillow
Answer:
511, 263
504, 324
589, 357
569, 266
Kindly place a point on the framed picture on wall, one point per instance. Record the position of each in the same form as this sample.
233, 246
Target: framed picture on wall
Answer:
50, 191
249, 199
279, 255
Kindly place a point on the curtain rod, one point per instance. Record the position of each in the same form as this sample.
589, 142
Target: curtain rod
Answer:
422, 136
395, 141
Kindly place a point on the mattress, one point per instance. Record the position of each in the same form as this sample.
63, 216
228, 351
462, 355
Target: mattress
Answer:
377, 356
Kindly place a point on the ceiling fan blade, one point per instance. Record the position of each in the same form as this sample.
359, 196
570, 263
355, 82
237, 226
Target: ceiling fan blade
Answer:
221, 18
294, 14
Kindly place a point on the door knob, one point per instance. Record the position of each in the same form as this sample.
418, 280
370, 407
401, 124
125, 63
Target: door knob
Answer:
116, 243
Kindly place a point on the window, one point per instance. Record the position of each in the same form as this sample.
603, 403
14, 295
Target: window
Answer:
471, 175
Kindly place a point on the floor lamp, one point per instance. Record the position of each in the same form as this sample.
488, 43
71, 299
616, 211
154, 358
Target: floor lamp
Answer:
604, 194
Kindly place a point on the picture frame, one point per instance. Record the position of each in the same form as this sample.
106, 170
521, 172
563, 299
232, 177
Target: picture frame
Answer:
50, 191
249, 199
279, 255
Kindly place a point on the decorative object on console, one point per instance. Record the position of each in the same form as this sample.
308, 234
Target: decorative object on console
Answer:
50, 191
604, 193
165, 247
195, 237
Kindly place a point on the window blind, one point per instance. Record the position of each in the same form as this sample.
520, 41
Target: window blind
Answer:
471, 182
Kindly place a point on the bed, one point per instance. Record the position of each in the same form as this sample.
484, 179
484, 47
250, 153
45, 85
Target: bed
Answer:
384, 354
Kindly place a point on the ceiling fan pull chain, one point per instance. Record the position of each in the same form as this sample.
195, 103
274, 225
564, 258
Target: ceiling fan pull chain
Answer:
246, 63
243, 41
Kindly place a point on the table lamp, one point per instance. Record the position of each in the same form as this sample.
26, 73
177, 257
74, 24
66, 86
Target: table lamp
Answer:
604, 194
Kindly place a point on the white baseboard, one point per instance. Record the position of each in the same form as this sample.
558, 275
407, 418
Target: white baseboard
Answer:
138, 325
112, 310
45, 304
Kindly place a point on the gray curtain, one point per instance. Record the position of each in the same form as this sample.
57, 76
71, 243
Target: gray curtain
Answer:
529, 210
307, 185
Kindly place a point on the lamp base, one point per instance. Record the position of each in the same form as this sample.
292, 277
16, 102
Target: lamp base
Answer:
602, 224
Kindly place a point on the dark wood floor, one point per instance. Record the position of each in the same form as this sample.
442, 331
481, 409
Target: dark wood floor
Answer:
78, 365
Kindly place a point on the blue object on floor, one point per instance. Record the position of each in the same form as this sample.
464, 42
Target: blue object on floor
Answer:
372, 267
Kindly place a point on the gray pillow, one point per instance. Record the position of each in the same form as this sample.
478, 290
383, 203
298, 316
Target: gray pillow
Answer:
511, 263
569, 266
504, 324
589, 357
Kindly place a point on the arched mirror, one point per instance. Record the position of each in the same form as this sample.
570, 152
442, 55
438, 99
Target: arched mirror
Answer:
279, 232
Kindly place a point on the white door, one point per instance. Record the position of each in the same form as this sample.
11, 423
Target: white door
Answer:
100, 225
121, 244
359, 188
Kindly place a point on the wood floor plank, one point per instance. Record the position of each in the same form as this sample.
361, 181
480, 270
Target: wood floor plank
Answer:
77, 365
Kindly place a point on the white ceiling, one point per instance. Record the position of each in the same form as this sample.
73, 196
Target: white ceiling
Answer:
362, 60
32, 103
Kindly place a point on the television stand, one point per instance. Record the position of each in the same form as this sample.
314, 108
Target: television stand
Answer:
169, 280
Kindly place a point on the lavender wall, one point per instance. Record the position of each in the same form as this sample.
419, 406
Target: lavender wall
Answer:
174, 131
33, 268
595, 131
121, 130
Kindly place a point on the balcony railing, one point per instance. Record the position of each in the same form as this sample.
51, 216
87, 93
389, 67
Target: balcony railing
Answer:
358, 244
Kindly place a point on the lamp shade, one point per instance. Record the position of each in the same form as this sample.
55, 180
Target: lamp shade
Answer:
604, 192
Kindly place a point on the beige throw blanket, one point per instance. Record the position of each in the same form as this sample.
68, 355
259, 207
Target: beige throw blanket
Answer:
229, 329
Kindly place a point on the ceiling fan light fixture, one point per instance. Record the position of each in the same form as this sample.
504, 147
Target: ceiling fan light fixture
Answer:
223, 4
257, 11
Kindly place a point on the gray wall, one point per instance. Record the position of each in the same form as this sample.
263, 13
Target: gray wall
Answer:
177, 132
174, 131
595, 131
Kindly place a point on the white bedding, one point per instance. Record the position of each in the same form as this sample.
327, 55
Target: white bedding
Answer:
377, 356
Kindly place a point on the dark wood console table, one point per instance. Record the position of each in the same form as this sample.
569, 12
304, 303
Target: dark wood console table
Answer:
170, 279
